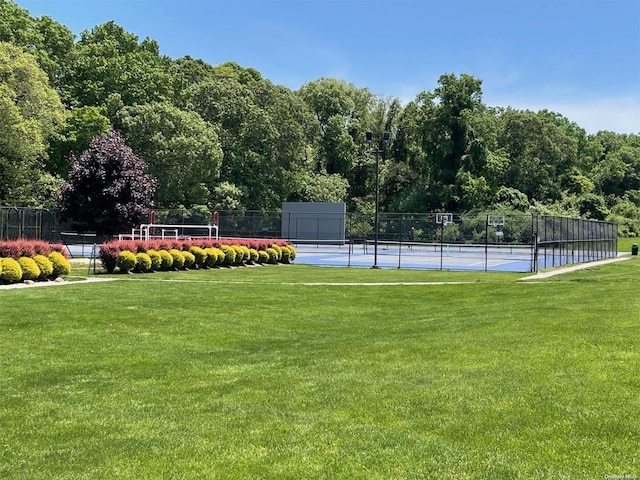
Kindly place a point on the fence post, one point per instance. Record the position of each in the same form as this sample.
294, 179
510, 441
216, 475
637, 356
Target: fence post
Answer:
400, 243
534, 234
534, 245
561, 240
583, 245
441, 242
486, 243
546, 240
350, 237
553, 241
590, 236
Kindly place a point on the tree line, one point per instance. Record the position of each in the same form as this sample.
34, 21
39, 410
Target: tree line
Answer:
225, 137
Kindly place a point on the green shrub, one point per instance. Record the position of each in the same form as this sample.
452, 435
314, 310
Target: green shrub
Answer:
285, 255
200, 254
278, 249
126, 261
45, 266
220, 255
11, 270
156, 259
178, 259
143, 262
30, 270
0, 268
229, 254
239, 260
273, 255
253, 255
167, 260
61, 265
292, 252
189, 259
211, 258
263, 257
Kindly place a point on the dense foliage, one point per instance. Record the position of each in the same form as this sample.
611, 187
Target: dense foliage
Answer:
30, 110
224, 137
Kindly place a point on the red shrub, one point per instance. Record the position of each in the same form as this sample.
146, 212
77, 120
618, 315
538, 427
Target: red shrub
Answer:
29, 248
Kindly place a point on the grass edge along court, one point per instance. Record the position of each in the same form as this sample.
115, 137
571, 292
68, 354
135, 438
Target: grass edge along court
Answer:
272, 372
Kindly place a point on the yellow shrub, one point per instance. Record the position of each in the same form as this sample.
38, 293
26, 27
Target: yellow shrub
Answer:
61, 265
126, 261
11, 271
30, 270
45, 266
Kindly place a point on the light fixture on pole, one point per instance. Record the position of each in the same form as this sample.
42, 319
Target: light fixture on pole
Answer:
385, 141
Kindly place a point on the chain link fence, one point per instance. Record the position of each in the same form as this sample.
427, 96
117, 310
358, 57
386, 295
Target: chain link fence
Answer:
511, 242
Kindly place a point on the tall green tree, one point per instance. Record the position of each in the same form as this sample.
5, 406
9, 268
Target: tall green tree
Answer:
337, 148
439, 138
328, 97
617, 169
542, 150
73, 136
262, 133
109, 60
50, 42
30, 110
343, 114
451, 145
247, 135
182, 150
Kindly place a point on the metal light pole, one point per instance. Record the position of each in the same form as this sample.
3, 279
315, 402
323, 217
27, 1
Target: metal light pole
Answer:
385, 141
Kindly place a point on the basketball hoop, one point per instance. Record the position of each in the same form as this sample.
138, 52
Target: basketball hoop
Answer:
444, 219
495, 220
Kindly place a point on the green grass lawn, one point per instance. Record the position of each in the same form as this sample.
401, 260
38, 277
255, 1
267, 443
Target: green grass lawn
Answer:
624, 245
298, 372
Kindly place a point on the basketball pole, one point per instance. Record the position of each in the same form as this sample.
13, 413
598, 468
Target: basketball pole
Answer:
385, 141
377, 213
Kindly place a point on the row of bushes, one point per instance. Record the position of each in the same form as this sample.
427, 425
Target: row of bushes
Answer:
29, 248
36, 268
155, 255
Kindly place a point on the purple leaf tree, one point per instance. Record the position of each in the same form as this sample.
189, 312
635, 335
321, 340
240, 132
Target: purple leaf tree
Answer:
108, 190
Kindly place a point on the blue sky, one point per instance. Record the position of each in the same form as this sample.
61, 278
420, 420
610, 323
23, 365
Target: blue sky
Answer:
580, 58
